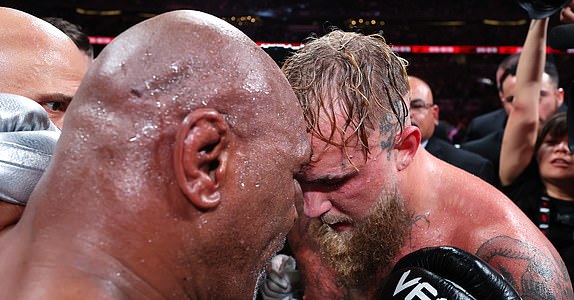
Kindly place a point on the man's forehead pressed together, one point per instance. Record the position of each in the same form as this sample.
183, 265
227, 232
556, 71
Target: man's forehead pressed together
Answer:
327, 87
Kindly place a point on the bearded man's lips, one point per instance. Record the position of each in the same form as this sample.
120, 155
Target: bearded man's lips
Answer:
341, 226
337, 222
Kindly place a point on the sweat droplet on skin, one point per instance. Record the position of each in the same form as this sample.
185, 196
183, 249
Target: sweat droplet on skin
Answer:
135, 138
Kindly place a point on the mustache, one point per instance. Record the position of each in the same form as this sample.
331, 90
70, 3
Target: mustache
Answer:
373, 242
330, 219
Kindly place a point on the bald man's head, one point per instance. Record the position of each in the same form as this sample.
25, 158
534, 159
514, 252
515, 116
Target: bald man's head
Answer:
423, 111
189, 129
162, 69
39, 61
182, 64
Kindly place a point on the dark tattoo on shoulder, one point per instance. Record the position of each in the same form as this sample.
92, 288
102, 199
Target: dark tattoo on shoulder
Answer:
531, 272
417, 221
418, 218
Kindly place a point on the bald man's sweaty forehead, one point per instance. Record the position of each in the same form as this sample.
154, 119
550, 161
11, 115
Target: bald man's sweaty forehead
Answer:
228, 64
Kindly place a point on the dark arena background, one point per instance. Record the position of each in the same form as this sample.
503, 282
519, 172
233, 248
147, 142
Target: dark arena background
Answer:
453, 45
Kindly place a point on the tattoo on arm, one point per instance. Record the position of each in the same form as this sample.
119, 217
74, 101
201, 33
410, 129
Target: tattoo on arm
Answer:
531, 272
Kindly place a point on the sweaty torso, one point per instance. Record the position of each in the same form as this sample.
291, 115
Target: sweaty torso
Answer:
476, 217
456, 209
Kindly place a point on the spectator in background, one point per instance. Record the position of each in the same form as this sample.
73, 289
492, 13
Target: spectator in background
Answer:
536, 166
493, 121
24, 43
544, 190
425, 115
74, 32
551, 97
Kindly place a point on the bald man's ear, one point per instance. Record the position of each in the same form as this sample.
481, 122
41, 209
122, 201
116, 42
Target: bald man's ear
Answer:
407, 146
200, 156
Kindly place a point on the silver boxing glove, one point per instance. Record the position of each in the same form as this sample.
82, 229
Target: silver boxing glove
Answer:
19, 113
282, 281
27, 141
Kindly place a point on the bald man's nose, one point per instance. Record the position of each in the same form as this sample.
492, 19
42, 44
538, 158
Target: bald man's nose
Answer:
316, 203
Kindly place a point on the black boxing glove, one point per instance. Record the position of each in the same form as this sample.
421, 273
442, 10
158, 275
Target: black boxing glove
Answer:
19, 113
445, 273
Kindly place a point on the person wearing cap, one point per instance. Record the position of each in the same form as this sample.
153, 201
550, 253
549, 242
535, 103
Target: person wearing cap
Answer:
27, 140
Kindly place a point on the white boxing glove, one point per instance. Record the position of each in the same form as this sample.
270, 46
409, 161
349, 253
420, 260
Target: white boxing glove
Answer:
283, 281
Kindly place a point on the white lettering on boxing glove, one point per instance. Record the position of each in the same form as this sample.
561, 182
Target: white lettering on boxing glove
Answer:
418, 290
419, 293
402, 285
